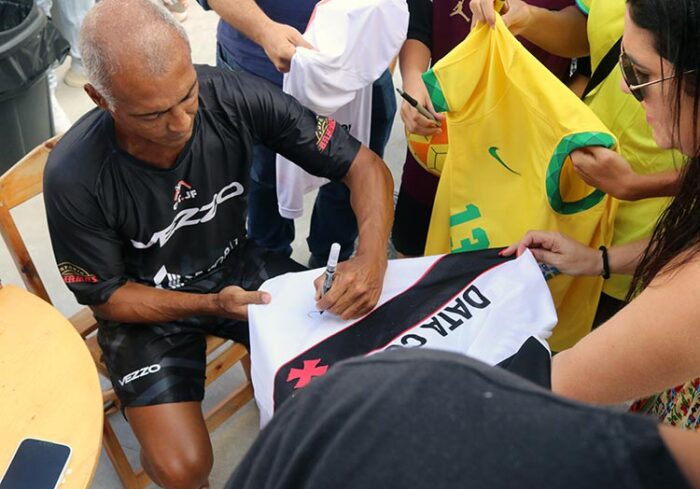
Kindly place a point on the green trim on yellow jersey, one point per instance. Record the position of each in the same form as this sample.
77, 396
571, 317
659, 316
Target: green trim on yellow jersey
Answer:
435, 92
556, 163
583, 6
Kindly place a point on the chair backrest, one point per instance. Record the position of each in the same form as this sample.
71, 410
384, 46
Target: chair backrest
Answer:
19, 184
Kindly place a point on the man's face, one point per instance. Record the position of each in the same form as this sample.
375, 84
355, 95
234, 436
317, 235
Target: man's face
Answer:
159, 109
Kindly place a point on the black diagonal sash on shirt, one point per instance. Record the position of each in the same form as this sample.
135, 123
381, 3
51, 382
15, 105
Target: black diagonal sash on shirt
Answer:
446, 278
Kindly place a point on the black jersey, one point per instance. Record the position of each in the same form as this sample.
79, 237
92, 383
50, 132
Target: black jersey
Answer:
113, 218
425, 419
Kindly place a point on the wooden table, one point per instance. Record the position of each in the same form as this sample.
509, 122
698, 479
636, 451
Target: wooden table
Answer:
49, 387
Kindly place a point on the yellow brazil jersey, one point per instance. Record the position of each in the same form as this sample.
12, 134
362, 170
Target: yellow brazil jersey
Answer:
512, 126
625, 118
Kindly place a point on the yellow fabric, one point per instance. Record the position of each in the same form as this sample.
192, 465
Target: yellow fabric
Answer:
512, 119
625, 117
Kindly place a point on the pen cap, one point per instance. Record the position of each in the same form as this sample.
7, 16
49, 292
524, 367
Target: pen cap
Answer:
334, 254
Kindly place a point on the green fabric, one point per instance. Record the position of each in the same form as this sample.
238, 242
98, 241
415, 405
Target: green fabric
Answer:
582, 5
435, 92
564, 148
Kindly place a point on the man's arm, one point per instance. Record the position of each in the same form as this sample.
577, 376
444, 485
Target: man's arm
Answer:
137, 303
324, 148
358, 282
563, 33
278, 40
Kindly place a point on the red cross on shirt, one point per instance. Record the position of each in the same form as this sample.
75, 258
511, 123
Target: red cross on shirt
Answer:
310, 370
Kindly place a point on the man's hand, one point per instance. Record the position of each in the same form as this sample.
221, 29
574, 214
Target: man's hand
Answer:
516, 14
560, 251
280, 42
412, 119
357, 285
606, 170
233, 301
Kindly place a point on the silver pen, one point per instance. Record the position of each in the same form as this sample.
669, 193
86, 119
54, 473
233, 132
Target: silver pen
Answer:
330, 268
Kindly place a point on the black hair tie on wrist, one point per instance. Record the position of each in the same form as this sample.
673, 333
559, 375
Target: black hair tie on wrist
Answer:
606, 264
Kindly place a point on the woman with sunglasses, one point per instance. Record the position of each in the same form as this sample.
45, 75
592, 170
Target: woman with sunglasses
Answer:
651, 344
642, 175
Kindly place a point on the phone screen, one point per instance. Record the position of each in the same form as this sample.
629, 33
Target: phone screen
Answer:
37, 464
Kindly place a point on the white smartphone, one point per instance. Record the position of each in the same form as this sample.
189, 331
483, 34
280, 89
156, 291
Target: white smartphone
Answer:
36, 464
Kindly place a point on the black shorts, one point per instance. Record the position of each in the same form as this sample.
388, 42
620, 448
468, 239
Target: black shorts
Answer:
162, 363
411, 223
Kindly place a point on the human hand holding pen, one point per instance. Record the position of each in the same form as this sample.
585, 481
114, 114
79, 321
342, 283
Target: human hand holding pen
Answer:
413, 120
357, 285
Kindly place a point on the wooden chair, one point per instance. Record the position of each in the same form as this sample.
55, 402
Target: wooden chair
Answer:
24, 181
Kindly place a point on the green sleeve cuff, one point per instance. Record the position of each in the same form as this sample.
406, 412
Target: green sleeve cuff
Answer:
437, 97
565, 147
583, 7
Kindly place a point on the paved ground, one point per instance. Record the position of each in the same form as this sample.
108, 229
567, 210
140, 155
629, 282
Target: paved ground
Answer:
233, 438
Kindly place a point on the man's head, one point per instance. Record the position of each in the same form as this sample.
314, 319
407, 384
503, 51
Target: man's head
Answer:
137, 61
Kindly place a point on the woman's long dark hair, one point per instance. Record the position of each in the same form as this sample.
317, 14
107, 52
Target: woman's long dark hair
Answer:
675, 27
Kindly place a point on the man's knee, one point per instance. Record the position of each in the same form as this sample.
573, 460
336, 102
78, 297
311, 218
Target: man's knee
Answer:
181, 467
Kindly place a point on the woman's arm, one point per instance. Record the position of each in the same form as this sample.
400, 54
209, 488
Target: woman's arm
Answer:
573, 258
649, 346
562, 32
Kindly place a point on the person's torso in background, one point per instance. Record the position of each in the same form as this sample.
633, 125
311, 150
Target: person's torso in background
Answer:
452, 22
625, 118
451, 25
252, 57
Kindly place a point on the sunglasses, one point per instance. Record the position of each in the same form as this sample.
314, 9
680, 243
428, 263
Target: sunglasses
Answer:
629, 74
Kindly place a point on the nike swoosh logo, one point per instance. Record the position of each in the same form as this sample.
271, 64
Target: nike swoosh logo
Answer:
493, 151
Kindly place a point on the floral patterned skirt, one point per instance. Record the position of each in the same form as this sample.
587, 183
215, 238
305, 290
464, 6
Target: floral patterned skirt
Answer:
678, 407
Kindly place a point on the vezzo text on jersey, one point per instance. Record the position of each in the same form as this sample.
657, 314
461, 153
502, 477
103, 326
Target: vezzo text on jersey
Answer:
192, 216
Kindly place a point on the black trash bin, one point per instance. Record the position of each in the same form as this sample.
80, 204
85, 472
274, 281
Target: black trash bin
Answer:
29, 45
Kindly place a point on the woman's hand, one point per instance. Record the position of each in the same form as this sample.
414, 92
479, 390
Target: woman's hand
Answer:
560, 251
606, 170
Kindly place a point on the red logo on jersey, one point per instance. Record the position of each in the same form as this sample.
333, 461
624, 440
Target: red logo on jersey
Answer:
73, 274
325, 128
183, 191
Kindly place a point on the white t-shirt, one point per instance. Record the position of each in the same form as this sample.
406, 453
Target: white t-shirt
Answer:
478, 304
355, 41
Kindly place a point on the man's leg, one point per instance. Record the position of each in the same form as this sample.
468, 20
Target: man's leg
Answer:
157, 372
175, 447
68, 16
383, 111
333, 220
266, 227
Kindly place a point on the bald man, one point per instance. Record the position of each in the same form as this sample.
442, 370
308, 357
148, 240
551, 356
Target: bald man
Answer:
146, 203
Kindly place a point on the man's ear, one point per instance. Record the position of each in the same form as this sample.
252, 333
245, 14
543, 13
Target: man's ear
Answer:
96, 97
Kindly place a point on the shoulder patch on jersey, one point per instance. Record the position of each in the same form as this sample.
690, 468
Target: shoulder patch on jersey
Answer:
325, 128
73, 274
